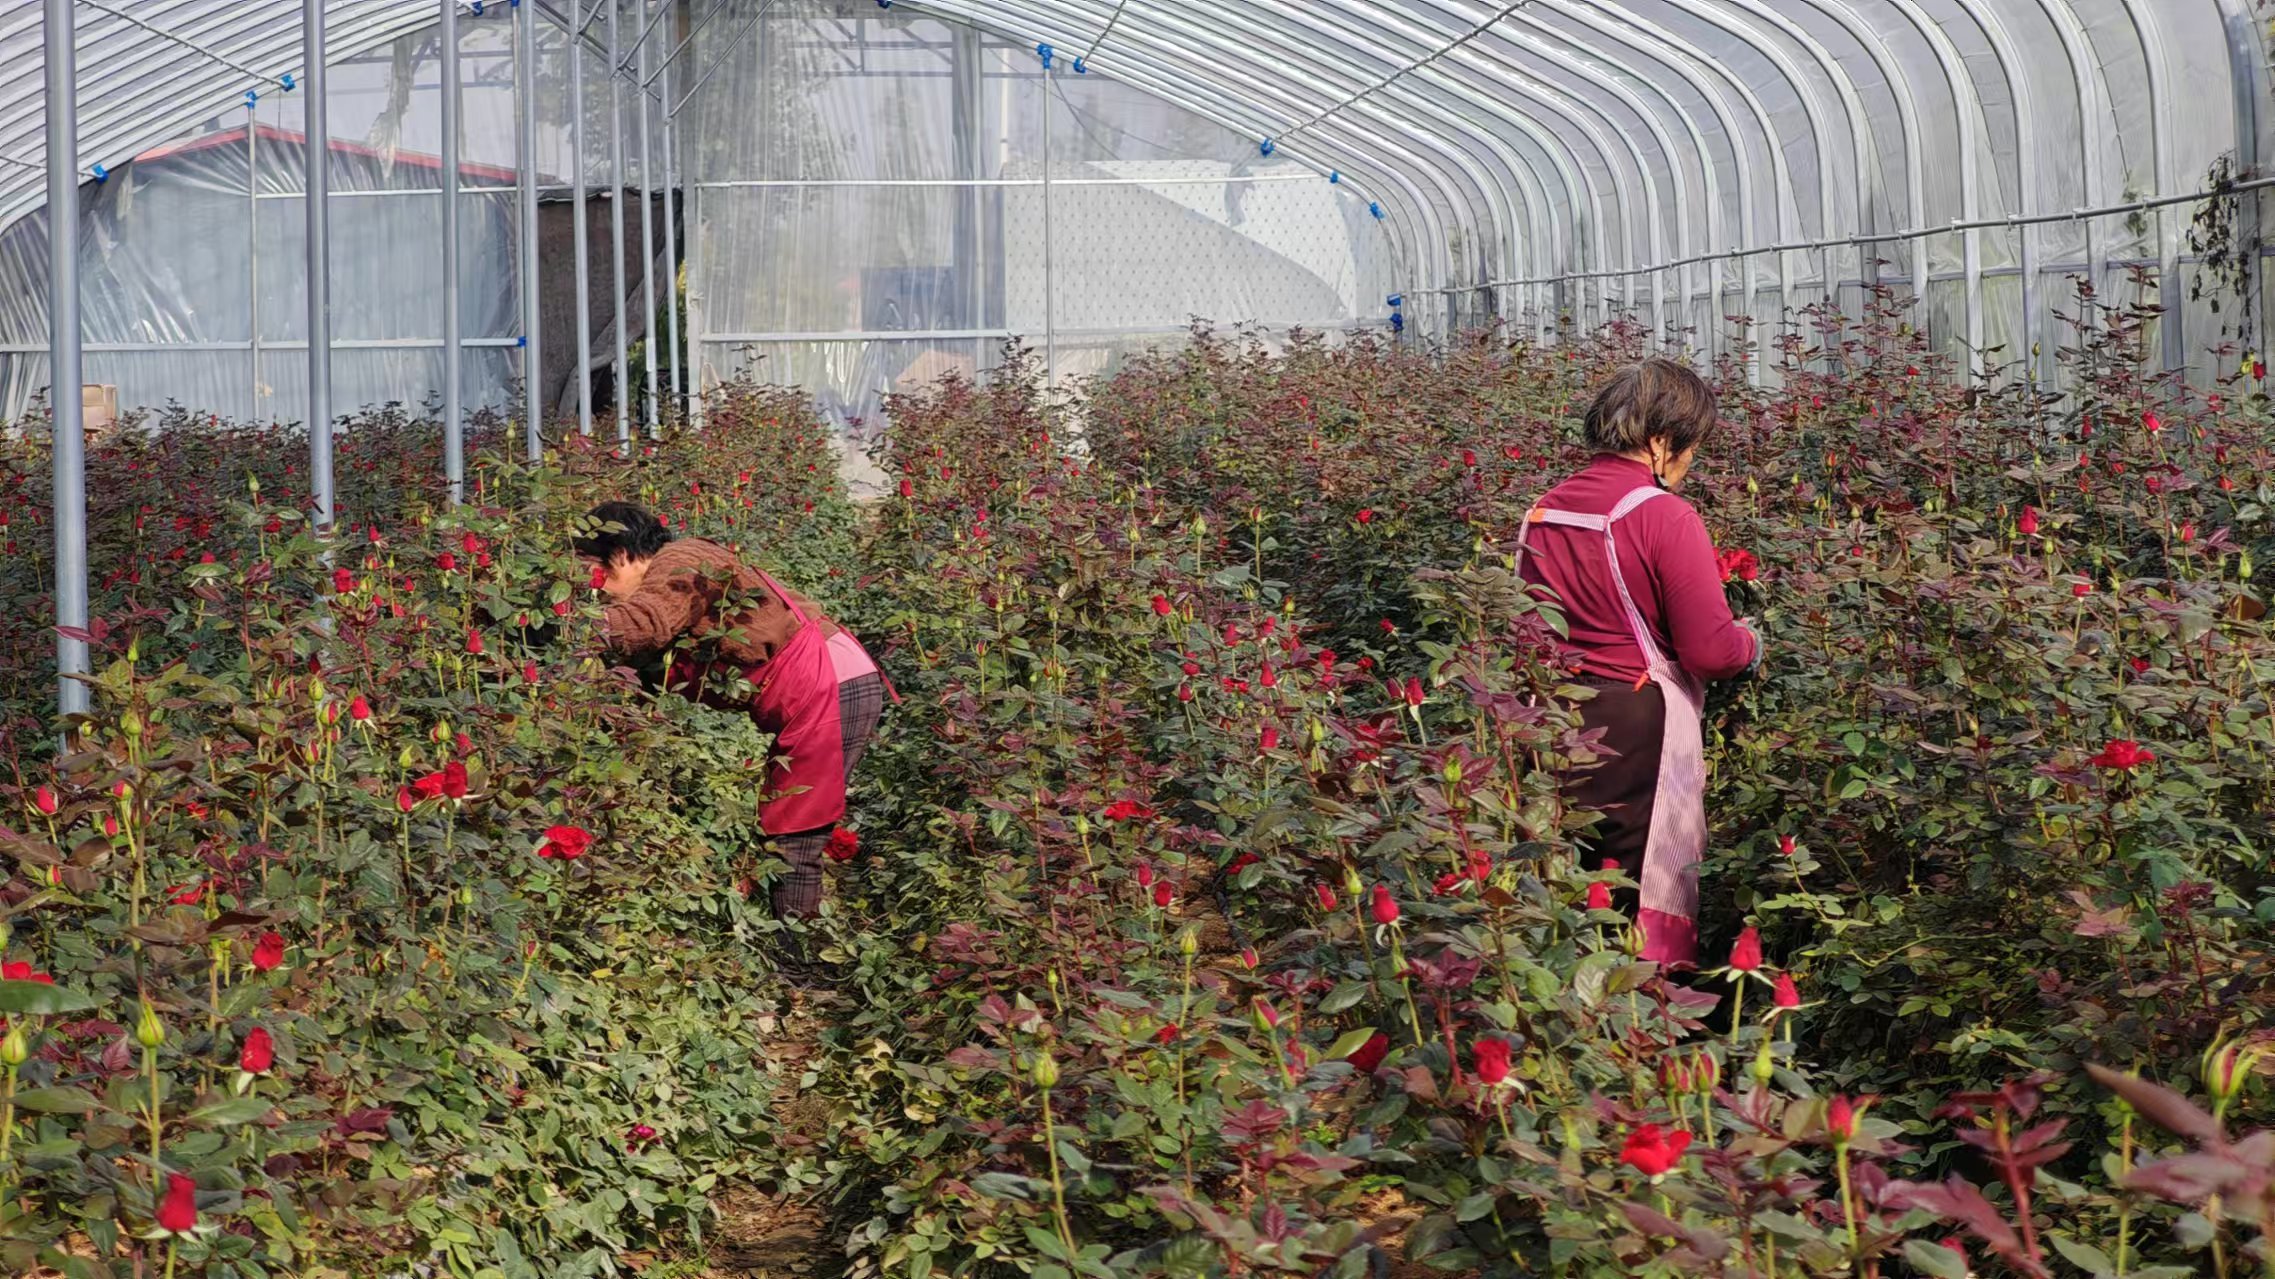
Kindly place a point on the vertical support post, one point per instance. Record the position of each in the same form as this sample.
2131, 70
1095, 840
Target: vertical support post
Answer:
1050, 293
578, 218
253, 262
65, 375
453, 423
693, 181
1971, 256
318, 158
617, 281
648, 238
2029, 309
671, 231
532, 319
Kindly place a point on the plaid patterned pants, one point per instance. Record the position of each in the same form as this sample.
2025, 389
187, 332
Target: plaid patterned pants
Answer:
798, 892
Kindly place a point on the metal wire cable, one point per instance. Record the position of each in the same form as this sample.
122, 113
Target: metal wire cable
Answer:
184, 41
1404, 71
721, 60
1119, 5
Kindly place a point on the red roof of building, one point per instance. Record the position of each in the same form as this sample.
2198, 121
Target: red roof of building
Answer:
270, 133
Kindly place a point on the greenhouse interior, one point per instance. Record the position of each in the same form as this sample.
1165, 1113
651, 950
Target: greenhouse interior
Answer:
1130, 638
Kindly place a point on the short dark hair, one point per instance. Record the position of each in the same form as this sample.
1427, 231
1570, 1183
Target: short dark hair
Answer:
622, 529
1651, 399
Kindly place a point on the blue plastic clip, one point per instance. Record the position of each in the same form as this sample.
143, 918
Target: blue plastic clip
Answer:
288, 82
1397, 322
252, 98
101, 174
1081, 67
1396, 300
523, 340
1043, 51
477, 8
1264, 147
1375, 207
1334, 177
884, 4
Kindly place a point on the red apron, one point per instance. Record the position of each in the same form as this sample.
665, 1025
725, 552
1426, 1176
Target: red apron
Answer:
1677, 840
795, 698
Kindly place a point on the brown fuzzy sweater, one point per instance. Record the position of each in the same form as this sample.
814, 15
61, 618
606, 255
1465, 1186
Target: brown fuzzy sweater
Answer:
699, 590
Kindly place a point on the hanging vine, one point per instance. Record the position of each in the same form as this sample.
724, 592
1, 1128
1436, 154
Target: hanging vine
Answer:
2225, 246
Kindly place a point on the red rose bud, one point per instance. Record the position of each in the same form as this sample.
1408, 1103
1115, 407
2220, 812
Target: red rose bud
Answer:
1388, 627
1145, 874
908, 488
1267, 1017
1788, 992
44, 800
343, 581
1163, 894
404, 799
1746, 953
1652, 1151
474, 643
258, 1054
110, 825
1491, 1060
1366, 516
2151, 421
1786, 845
1840, 1119
1384, 908
529, 672
1269, 678
359, 708
1368, 1056
599, 577
1270, 739
1446, 883
268, 952
1599, 896
1248, 958
446, 562
2028, 524
1166, 1035
1161, 606
1413, 691
1191, 669
2081, 589
177, 1212
1325, 897
560, 608
1184, 692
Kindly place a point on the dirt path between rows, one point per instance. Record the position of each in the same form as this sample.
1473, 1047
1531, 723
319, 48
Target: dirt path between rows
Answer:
761, 1233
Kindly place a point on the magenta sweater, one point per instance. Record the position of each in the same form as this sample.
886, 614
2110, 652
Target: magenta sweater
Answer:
1668, 560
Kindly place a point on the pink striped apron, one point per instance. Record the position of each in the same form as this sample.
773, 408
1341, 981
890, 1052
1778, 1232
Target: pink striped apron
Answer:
1677, 839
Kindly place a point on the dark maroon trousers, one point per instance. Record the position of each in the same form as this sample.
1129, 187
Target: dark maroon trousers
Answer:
1621, 787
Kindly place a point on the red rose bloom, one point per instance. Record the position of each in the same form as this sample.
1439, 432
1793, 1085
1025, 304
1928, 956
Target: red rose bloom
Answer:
2122, 755
843, 844
454, 780
359, 708
1163, 894
268, 952
446, 561
1491, 1058
1652, 1151
1368, 1056
1599, 896
1124, 810
565, 842
22, 970
599, 576
258, 1054
1384, 907
1746, 953
343, 581
177, 1213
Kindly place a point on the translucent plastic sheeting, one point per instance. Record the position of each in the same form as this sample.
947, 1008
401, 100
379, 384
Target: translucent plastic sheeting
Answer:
194, 245
860, 174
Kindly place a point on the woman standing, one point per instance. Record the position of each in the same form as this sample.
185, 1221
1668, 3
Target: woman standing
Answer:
1634, 571
810, 682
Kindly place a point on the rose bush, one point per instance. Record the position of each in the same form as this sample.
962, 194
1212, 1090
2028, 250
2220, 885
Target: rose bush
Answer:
1212, 909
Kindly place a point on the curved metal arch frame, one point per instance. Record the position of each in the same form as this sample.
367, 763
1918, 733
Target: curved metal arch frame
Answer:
1166, 80
1648, 42
1411, 220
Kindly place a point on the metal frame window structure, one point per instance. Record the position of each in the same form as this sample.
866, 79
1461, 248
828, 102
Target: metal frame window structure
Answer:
1699, 164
